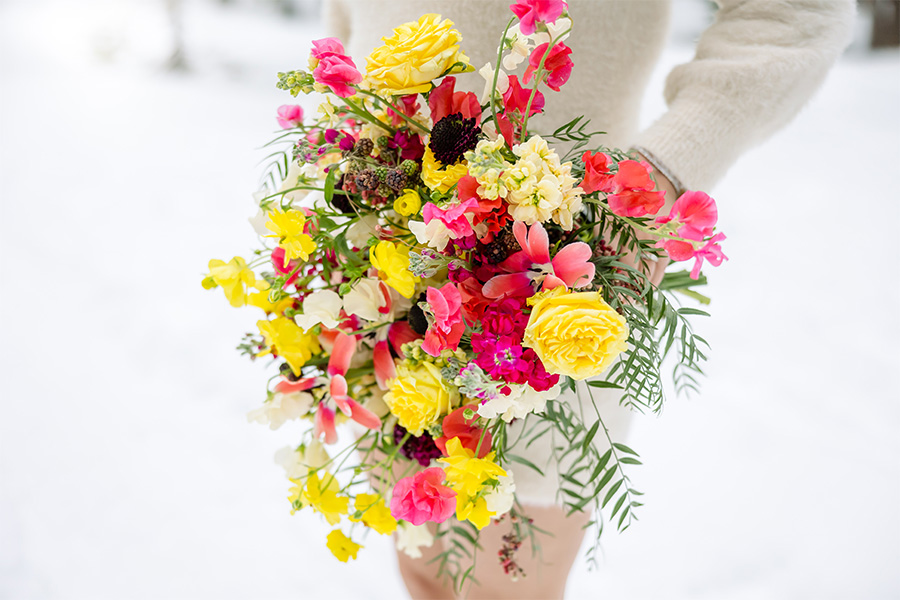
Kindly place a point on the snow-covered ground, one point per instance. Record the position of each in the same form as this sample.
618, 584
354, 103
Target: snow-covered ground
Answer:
128, 470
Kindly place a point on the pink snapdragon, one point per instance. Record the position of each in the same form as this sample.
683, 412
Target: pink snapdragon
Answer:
289, 116
532, 11
532, 266
446, 331
557, 65
333, 68
635, 195
423, 497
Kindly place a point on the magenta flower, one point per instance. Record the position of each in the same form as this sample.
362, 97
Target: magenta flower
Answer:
557, 65
423, 497
289, 116
334, 68
532, 11
711, 251
532, 266
696, 212
634, 195
448, 326
453, 217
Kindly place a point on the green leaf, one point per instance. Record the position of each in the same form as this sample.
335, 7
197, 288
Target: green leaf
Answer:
524, 461
601, 464
612, 492
619, 504
624, 448
604, 384
627, 460
329, 183
692, 311
590, 436
606, 477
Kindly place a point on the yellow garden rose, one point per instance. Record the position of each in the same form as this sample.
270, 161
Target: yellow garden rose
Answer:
439, 177
414, 55
418, 397
575, 334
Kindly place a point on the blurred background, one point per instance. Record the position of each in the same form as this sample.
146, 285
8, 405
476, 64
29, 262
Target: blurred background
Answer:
130, 134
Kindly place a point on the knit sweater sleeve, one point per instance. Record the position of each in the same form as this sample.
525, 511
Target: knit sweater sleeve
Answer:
754, 69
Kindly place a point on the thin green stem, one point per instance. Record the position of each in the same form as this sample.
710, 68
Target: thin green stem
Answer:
537, 80
497, 73
399, 113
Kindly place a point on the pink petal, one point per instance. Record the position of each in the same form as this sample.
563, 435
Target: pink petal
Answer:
385, 308
400, 333
552, 281
344, 347
513, 284
539, 244
363, 416
286, 387
384, 364
338, 391
572, 265
324, 425
517, 263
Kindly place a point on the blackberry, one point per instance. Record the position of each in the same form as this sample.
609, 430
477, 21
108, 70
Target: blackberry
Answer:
410, 167
416, 317
453, 136
367, 180
381, 172
383, 141
384, 190
503, 246
363, 147
395, 179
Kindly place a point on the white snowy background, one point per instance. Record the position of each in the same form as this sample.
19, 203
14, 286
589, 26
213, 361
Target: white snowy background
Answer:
127, 467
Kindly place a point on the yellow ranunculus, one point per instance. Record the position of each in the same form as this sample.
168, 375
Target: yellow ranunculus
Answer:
392, 262
418, 397
375, 513
575, 334
234, 277
414, 55
408, 203
438, 177
286, 339
341, 546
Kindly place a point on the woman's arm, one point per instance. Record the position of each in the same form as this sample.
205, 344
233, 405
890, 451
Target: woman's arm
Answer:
754, 68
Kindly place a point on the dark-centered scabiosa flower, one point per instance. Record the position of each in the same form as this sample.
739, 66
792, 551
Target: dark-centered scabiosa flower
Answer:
453, 136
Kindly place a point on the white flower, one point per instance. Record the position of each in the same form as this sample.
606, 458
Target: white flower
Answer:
500, 499
553, 31
365, 299
322, 306
520, 50
487, 71
293, 179
521, 400
282, 407
359, 233
258, 221
412, 537
296, 462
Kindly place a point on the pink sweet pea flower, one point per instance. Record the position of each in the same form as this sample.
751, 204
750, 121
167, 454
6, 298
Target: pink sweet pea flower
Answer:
634, 195
515, 98
326, 47
532, 11
423, 497
338, 365
597, 176
696, 212
711, 251
444, 101
532, 265
557, 65
333, 68
289, 116
448, 326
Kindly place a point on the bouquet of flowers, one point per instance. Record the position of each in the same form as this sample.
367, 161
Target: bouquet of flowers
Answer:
432, 270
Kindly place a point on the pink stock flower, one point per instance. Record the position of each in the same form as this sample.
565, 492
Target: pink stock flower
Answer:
597, 176
289, 116
448, 326
557, 65
423, 497
696, 212
634, 195
444, 101
532, 265
532, 11
333, 68
711, 251
515, 98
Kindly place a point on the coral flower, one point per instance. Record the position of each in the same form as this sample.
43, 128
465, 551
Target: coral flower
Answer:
711, 251
515, 98
448, 326
557, 64
597, 176
634, 195
455, 425
444, 101
423, 497
532, 265
696, 213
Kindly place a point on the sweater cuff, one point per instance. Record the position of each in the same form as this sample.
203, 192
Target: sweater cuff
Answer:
695, 141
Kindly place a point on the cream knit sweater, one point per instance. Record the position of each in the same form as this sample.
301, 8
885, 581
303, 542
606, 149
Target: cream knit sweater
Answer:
753, 70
